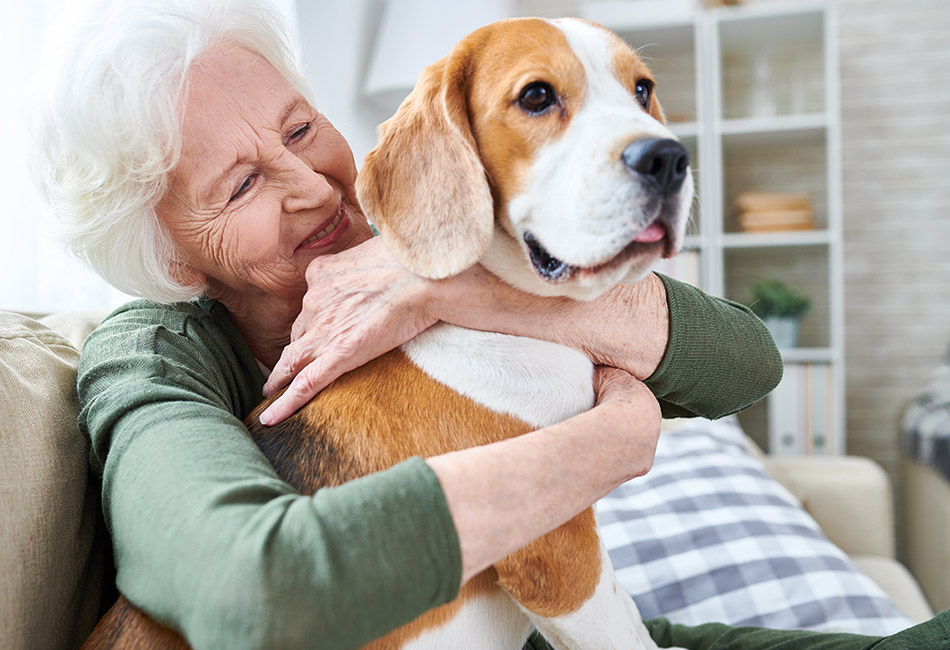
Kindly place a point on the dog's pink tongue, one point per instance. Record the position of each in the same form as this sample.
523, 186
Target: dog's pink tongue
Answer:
651, 233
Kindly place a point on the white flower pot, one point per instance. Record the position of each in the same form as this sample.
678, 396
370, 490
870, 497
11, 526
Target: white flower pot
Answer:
784, 330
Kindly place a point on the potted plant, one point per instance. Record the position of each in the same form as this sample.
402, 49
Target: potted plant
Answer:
781, 309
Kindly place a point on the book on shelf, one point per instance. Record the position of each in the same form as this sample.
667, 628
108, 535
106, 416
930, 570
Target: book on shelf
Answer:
774, 211
802, 418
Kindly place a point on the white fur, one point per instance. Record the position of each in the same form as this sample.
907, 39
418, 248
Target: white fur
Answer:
487, 622
581, 202
539, 382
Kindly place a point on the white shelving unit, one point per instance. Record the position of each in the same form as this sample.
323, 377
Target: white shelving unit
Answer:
752, 91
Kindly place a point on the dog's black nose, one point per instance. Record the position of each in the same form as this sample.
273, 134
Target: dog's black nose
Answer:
661, 162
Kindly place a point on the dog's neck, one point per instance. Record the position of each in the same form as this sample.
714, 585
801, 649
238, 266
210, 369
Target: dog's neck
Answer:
539, 382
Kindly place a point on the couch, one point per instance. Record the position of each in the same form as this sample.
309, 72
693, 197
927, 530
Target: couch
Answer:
925, 476
55, 563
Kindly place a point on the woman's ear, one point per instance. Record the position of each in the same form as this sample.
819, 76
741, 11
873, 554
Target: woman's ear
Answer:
424, 186
185, 275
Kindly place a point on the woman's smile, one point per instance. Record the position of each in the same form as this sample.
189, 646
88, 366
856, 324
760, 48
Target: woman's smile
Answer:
329, 232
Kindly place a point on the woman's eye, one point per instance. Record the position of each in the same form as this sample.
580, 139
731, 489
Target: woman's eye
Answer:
536, 97
299, 133
644, 93
245, 186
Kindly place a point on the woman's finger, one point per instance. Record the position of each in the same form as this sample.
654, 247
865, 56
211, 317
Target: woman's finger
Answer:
289, 364
306, 384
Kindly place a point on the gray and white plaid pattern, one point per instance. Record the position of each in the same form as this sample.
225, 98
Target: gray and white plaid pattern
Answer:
707, 535
926, 423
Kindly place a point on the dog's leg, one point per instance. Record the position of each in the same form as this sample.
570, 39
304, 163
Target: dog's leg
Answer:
566, 585
609, 619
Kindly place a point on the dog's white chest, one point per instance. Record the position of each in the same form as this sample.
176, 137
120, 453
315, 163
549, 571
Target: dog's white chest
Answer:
539, 382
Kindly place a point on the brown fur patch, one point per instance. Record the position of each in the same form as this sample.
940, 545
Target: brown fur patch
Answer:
557, 573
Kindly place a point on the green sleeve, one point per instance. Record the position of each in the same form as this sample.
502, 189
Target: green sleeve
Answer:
719, 360
207, 539
716, 636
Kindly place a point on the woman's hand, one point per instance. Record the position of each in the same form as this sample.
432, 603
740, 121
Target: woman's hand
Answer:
622, 400
359, 304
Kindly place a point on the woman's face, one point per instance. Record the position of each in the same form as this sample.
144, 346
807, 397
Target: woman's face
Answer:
264, 185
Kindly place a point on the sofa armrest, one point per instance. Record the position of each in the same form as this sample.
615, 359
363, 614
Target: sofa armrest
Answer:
925, 529
850, 498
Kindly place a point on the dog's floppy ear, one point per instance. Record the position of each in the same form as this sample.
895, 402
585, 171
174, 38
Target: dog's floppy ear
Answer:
424, 185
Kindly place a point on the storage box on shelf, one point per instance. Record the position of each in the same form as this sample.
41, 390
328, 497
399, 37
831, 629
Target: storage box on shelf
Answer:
753, 92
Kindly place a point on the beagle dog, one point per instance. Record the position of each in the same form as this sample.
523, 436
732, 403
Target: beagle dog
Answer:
538, 149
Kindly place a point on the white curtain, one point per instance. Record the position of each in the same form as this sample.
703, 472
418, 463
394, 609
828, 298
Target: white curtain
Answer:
36, 274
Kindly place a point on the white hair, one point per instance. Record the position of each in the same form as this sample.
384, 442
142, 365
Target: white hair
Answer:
108, 122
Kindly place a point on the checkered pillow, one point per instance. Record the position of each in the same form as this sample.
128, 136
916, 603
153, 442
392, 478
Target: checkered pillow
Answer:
708, 535
926, 423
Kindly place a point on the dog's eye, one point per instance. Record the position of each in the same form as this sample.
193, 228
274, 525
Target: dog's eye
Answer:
536, 97
644, 93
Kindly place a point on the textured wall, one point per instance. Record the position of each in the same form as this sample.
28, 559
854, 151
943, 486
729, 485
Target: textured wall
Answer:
895, 104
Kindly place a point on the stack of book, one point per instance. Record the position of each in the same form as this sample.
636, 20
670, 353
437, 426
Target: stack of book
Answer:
770, 212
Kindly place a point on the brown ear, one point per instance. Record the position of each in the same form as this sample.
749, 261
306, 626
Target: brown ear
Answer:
424, 186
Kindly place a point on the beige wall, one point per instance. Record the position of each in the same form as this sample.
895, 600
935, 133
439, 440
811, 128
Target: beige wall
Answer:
895, 105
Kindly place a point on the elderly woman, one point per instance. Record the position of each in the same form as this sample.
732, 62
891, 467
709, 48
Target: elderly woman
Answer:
191, 169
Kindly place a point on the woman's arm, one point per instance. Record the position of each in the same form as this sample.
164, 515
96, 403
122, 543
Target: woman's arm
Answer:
700, 355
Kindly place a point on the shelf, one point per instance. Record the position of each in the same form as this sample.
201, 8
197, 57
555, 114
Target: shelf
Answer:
776, 239
807, 355
779, 129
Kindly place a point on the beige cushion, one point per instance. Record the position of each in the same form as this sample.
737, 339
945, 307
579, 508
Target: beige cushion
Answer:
849, 496
898, 583
51, 560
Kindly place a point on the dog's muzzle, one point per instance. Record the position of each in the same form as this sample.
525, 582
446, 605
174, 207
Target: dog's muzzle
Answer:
660, 166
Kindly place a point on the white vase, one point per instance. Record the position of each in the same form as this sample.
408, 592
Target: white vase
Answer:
784, 330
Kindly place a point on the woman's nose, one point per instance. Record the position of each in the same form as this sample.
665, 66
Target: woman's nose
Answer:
306, 189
